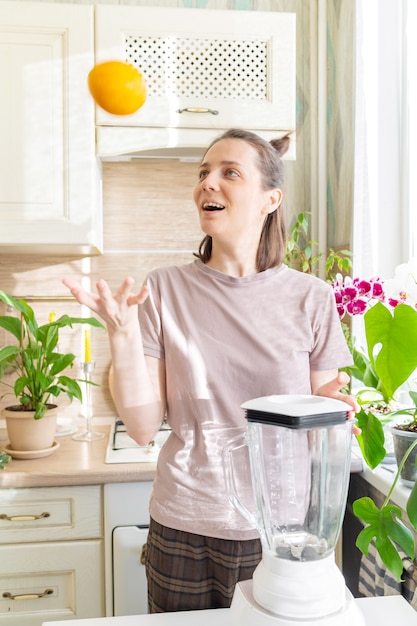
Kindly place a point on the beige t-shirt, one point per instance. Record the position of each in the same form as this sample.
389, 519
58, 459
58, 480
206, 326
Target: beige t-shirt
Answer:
226, 340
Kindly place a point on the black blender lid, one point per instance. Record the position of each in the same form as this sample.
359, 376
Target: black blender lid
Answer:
296, 411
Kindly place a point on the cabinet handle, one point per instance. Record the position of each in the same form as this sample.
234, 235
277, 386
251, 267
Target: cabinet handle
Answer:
23, 518
198, 110
27, 596
143, 554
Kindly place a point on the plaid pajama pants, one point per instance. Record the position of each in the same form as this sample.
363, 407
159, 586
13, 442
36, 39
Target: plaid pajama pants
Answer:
188, 572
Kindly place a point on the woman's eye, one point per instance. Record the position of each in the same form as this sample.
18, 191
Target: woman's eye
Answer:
232, 173
202, 174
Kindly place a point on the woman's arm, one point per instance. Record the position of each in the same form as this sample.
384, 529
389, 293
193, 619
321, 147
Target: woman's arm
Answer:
138, 382
141, 421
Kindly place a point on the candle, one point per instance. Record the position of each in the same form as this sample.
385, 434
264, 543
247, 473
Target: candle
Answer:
87, 346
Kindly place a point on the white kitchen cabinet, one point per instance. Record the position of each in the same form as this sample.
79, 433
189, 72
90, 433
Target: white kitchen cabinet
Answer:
51, 554
205, 70
49, 175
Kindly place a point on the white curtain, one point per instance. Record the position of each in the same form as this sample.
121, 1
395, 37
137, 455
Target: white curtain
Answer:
411, 23
384, 226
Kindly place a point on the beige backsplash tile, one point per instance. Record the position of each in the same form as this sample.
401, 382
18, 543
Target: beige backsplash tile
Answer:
149, 205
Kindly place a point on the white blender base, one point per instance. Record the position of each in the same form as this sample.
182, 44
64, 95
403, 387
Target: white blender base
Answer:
245, 611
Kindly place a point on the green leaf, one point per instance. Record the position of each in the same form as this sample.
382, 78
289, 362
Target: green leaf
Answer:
390, 557
366, 510
48, 336
362, 369
53, 390
368, 395
396, 529
386, 526
20, 385
8, 352
364, 538
61, 362
73, 389
40, 411
392, 344
4, 459
65, 320
11, 324
371, 439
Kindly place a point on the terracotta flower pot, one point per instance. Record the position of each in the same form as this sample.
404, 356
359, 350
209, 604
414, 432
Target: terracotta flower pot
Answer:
26, 433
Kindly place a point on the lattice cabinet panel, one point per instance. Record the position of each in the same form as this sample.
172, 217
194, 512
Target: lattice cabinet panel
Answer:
186, 67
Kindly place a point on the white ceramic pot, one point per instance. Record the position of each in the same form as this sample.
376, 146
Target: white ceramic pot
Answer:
402, 440
26, 433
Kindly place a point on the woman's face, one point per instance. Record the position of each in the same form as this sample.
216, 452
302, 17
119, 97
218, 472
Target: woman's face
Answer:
229, 195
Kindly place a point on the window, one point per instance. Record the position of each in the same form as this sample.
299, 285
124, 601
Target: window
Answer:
385, 187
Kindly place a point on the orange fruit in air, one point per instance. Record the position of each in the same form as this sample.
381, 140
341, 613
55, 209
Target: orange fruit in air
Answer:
117, 87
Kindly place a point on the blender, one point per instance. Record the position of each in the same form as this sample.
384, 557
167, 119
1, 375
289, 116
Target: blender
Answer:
299, 457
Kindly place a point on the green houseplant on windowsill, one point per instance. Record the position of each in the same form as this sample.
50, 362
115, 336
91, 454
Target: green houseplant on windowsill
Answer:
39, 371
388, 361
303, 254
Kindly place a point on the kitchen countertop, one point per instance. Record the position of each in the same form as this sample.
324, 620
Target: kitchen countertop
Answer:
74, 463
384, 611
83, 463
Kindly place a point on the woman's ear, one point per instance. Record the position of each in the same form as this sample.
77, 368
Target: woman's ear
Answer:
274, 199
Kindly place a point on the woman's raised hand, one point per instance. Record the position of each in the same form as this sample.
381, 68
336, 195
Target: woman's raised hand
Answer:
117, 310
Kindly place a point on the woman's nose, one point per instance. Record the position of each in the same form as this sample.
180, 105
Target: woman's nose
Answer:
210, 181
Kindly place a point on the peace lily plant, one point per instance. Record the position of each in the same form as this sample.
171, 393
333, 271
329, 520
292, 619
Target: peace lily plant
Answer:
35, 358
389, 360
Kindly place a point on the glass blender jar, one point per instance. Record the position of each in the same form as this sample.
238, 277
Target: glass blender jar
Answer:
299, 453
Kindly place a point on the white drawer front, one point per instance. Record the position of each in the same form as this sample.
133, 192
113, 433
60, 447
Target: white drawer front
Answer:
50, 514
66, 575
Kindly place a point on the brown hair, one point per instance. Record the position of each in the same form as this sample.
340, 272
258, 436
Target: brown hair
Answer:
271, 250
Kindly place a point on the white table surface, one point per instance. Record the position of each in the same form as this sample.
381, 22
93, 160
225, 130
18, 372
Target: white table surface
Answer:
386, 611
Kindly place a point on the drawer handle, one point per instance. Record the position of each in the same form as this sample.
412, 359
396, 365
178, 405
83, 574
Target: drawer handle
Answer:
27, 596
198, 110
23, 518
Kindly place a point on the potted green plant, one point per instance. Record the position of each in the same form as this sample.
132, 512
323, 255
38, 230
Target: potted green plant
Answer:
39, 370
303, 254
388, 362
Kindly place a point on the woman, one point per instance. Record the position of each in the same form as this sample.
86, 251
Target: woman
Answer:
234, 324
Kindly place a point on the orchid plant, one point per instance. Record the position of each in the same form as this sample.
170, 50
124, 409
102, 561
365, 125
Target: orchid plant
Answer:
389, 312
390, 325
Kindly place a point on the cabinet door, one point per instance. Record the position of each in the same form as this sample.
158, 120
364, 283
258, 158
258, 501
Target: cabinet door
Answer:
50, 514
49, 179
129, 576
54, 581
204, 68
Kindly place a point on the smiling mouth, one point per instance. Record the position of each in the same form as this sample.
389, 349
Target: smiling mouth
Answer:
209, 206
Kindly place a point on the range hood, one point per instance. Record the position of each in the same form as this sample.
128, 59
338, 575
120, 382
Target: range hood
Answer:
118, 143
